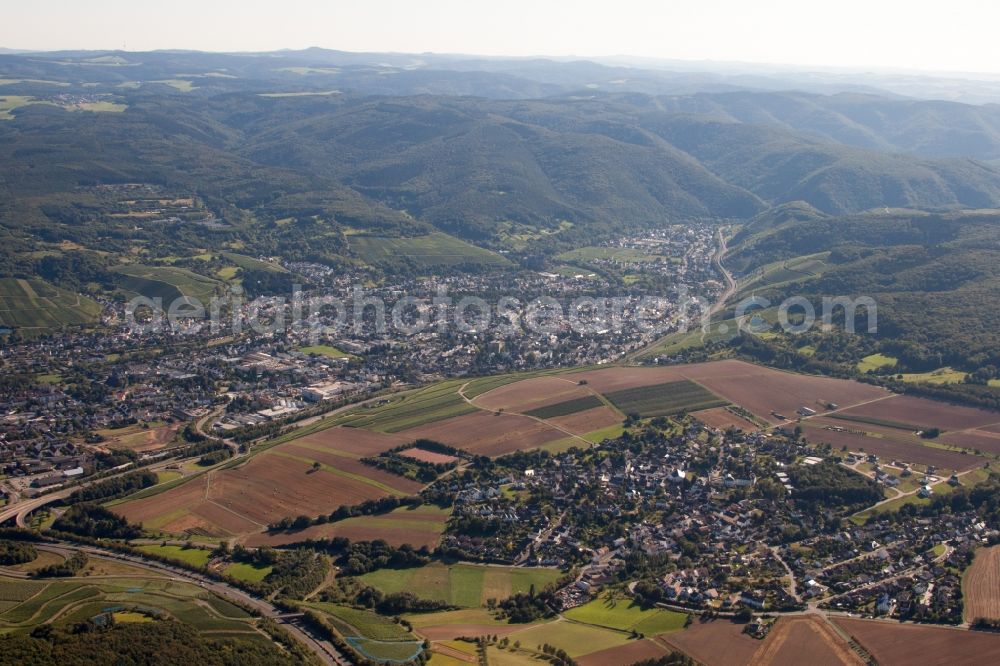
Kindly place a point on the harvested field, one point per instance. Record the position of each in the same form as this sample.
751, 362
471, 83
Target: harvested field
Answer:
716, 642
794, 641
590, 420
974, 439
625, 654
566, 408
902, 447
664, 399
418, 527
923, 413
351, 441
428, 456
723, 419
756, 388
897, 644
488, 434
532, 393
278, 483
981, 586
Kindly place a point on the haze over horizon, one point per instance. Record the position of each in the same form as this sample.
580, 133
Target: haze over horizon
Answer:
887, 36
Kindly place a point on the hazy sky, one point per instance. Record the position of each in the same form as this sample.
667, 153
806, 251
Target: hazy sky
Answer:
901, 34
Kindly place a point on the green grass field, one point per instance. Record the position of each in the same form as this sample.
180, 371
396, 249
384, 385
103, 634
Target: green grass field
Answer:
167, 282
411, 409
626, 615
566, 408
68, 602
665, 399
366, 623
576, 639
422, 252
193, 556
247, 572
37, 304
461, 584
876, 361
325, 350
618, 254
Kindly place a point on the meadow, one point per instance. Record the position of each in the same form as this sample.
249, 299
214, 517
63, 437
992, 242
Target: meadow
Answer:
466, 585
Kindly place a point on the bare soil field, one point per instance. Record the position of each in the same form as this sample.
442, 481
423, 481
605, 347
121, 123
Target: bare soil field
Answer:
587, 421
532, 393
756, 388
981, 586
974, 439
487, 434
797, 640
722, 418
344, 466
272, 486
895, 644
714, 643
898, 446
141, 440
623, 655
923, 413
428, 456
355, 441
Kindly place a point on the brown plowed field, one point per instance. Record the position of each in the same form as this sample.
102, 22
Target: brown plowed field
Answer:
488, 434
900, 447
981, 586
587, 421
895, 644
756, 388
624, 654
428, 456
531, 394
923, 413
714, 643
355, 441
974, 439
722, 418
804, 640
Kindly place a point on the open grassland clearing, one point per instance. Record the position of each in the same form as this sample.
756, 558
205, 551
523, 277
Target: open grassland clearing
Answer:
714, 642
420, 526
324, 350
466, 585
939, 376
876, 361
196, 557
625, 615
891, 643
577, 639
433, 250
981, 586
664, 399
37, 304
